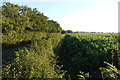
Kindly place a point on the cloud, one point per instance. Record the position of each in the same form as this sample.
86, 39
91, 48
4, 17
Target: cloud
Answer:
100, 18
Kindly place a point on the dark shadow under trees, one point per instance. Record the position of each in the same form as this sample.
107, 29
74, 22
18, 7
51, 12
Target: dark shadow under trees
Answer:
9, 50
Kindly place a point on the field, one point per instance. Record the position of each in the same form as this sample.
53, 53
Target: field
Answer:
35, 47
55, 55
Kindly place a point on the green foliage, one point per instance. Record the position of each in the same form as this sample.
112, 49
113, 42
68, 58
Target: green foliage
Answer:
37, 59
63, 32
34, 47
54, 27
45, 54
83, 76
22, 18
110, 72
69, 31
86, 52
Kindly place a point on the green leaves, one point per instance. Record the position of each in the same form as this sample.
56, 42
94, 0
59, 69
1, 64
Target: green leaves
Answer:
111, 72
23, 18
83, 76
36, 59
86, 52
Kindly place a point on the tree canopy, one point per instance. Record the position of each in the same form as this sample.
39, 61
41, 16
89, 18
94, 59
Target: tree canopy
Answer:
22, 18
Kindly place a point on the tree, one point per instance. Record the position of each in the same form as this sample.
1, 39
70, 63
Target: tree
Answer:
63, 32
22, 18
69, 31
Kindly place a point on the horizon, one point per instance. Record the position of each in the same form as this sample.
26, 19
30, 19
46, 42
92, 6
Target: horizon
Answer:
87, 16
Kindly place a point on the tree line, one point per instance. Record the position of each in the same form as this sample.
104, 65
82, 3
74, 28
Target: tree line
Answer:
22, 18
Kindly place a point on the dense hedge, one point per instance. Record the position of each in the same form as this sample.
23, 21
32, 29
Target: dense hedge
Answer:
36, 59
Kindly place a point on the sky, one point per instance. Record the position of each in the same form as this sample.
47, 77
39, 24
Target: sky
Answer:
78, 15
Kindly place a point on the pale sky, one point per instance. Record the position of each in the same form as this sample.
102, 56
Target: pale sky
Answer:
79, 15
99, 19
